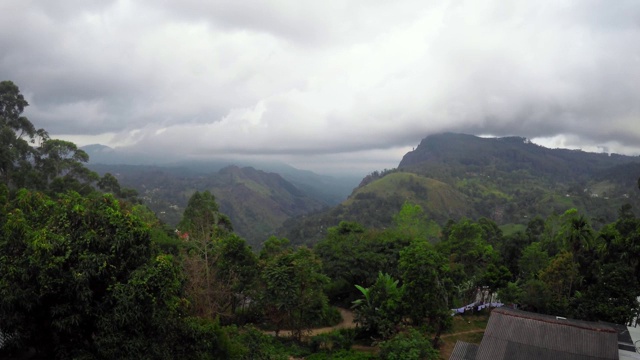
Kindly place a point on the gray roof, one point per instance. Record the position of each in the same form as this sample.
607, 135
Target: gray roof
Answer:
514, 335
464, 351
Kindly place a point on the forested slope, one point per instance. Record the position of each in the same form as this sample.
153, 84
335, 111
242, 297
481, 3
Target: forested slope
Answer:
509, 180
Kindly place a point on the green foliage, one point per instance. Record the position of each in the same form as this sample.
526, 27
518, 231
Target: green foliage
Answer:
412, 222
17, 135
30, 159
149, 320
291, 293
561, 277
335, 341
612, 298
510, 294
78, 279
409, 345
533, 260
220, 266
495, 277
274, 246
467, 247
535, 296
341, 355
202, 218
350, 255
427, 286
379, 312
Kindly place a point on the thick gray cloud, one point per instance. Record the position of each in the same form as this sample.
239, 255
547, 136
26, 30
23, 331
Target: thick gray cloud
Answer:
321, 83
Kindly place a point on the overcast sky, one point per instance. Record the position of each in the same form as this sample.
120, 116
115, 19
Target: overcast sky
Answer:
325, 85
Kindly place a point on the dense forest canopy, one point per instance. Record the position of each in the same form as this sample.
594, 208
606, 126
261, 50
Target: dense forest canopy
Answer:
88, 272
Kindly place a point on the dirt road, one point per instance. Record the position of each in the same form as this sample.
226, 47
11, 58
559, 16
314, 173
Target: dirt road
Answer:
347, 323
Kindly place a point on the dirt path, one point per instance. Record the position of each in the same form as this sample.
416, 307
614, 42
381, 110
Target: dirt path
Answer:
347, 323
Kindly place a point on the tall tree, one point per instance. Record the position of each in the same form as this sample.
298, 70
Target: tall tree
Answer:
60, 167
352, 255
379, 311
17, 135
427, 287
292, 293
412, 222
202, 227
561, 277
78, 273
534, 258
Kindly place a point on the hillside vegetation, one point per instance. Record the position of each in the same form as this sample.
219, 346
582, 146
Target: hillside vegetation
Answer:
508, 180
256, 201
88, 272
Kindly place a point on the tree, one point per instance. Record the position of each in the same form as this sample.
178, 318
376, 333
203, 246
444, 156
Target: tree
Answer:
379, 312
59, 163
426, 287
30, 159
535, 296
292, 294
466, 246
468, 255
109, 183
532, 261
492, 234
409, 345
510, 294
17, 134
237, 268
78, 276
561, 276
511, 250
613, 298
412, 222
495, 277
351, 255
202, 227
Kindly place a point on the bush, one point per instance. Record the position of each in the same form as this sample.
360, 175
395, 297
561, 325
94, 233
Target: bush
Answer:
409, 345
331, 316
248, 343
341, 355
336, 340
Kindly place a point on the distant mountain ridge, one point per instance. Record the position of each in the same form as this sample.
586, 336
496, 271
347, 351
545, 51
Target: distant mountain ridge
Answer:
508, 154
329, 189
509, 180
256, 201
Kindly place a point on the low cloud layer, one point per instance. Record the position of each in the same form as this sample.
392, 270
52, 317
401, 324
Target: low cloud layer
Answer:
325, 85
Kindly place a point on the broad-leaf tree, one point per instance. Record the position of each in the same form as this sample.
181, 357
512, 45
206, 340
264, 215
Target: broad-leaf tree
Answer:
202, 227
291, 294
79, 279
380, 310
17, 137
427, 287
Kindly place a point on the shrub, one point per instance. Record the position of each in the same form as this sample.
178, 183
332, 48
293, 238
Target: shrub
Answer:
409, 345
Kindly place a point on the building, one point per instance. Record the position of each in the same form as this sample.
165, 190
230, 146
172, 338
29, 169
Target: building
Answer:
520, 335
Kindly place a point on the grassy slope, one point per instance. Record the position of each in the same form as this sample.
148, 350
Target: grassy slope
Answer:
434, 196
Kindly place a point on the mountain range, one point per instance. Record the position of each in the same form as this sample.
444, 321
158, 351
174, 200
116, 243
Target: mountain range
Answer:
509, 180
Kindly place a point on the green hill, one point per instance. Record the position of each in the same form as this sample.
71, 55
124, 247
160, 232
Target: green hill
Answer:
257, 202
439, 199
509, 180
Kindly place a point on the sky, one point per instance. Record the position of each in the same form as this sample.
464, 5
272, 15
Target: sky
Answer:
330, 86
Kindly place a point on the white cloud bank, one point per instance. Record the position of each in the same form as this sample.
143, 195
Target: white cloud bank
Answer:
325, 85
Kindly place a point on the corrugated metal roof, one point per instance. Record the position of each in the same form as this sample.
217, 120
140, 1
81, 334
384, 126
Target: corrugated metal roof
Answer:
513, 334
464, 351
